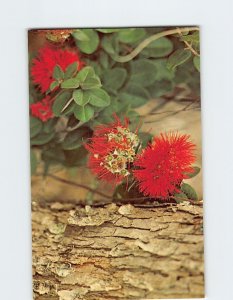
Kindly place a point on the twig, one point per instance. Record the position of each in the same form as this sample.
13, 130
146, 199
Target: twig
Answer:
72, 183
188, 45
148, 41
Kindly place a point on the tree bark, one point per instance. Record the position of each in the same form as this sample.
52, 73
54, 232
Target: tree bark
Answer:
117, 252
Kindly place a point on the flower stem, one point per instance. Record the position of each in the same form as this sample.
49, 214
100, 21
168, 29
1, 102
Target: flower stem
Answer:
149, 40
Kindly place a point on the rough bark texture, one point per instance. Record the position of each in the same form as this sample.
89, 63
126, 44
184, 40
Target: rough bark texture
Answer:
117, 252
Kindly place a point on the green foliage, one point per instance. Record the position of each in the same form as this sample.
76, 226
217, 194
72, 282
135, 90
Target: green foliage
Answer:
189, 191
87, 40
134, 95
35, 126
58, 74
84, 113
104, 86
131, 35
143, 72
76, 138
196, 62
159, 48
177, 58
114, 79
196, 170
61, 102
180, 197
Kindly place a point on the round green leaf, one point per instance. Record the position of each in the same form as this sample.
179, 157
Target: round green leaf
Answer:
60, 102
58, 73
114, 79
80, 97
177, 58
134, 95
159, 48
84, 113
91, 83
180, 197
70, 70
85, 73
42, 138
71, 83
35, 126
88, 46
131, 35
98, 97
144, 72
80, 35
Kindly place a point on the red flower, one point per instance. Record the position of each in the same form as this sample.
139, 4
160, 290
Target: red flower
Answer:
162, 166
42, 109
112, 148
43, 65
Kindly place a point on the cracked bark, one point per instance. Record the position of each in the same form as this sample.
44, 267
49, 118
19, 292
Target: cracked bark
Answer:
117, 252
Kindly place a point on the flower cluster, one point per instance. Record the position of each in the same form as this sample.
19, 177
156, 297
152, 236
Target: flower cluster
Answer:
42, 109
43, 65
162, 166
112, 149
159, 169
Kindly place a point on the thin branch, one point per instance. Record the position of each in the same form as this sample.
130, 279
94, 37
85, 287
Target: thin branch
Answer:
75, 184
149, 40
189, 46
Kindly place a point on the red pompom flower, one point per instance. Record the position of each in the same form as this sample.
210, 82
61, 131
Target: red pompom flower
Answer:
43, 65
162, 166
112, 148
42, 109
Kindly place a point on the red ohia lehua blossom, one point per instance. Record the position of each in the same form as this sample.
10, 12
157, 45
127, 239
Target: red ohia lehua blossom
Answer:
112, 149
43, 65
161, 167
42, 109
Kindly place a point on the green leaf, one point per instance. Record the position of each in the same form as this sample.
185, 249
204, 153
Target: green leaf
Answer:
89, 46
58, 73
193, 39
159, 48
60, 102
91, 83
134, 95
196, 62
144, 72
114, 79
189, 191
70, 70
53, 85
80, 35
178, 58
42, 138
84, 113
160, 88
180, 197
98, 98
35, 126
33, 162
196, 170
49, 125
131, 35
162, 70
104, 60
106, 30
85, 73
80, 97
110, 44
76, 138
71, 83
